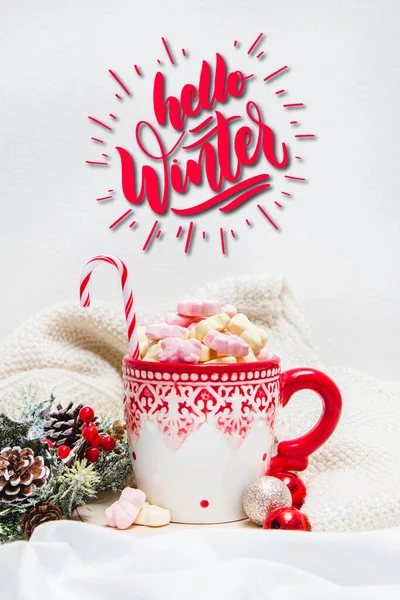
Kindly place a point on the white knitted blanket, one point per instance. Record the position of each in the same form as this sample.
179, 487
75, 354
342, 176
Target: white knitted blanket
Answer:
353, 480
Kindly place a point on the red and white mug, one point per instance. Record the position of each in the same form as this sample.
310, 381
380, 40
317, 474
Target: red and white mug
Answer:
200, 434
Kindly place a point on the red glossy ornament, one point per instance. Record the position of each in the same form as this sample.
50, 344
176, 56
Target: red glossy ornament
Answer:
63, 452
86, 414
95, 441
296, 487
48, 442
108, 443
287, 518
92, 455
89, 432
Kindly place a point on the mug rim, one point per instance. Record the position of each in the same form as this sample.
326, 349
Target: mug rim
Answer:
273, 362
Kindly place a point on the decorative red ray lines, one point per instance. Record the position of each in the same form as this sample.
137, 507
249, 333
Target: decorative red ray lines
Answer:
137, 70
103, 198
298, 157
204, 235
183, 51
248, 222
249, 76
305, 135
235, 43
159, 61
222, 236
97, 140
95, 162
158, 234
275, 73
118, 96
110, 190
121, 218
280, 92
260, 54
232, 233
254, 44
189, 237
267, 217
295, 178
286, 193
278, 205
100, 123
112, 116
293, 105
132, 224
294, 122
178, 233
120, 82
105, 155
168, 51
152, 230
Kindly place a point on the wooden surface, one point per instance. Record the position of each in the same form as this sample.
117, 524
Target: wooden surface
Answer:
94, 514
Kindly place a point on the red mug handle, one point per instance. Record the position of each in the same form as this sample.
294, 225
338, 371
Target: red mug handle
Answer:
292, 455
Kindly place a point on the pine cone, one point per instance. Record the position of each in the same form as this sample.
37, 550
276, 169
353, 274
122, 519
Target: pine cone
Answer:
21, 473
41, 513
117, 430
64, 427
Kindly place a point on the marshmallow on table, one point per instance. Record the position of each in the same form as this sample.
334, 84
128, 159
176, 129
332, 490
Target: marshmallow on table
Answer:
229, 345
122, 513
153, 516
254, 336
217, 322
153, 351
194, 307
159, 331
182, 351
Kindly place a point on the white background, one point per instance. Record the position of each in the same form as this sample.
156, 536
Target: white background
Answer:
339, 242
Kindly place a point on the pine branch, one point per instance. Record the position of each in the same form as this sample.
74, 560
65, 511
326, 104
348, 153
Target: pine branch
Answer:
114, 468
75, 486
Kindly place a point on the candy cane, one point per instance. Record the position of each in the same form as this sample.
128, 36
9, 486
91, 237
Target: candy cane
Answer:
127, 293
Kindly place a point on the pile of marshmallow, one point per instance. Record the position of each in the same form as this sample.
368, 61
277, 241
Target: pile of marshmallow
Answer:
203, 331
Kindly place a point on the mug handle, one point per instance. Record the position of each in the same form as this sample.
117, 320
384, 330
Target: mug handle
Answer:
293, 455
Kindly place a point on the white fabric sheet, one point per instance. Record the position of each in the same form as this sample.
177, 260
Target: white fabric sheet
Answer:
75, 561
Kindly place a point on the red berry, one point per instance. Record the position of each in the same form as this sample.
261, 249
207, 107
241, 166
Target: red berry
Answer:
108, 443
90, 432
48, 442
92, 454
86, 414
63, 452
95, 442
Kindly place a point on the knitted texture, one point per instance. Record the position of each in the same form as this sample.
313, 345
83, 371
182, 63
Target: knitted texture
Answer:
353, 480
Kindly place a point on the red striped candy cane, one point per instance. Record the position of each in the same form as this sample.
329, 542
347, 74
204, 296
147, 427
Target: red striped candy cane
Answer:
127, 293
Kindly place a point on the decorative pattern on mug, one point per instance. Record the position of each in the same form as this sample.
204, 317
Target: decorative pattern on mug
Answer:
179, 408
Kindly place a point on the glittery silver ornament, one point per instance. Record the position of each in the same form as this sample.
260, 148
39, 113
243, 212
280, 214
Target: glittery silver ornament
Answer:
263, 496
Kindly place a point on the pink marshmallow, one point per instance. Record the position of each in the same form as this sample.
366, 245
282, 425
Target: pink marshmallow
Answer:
123, 512
181, 351
228, 345
198, 308
264, 354
182, 320
159, 331
230, 310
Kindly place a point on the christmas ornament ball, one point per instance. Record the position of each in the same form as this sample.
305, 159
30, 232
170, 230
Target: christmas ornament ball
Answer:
263, 496
288, 518
296, 487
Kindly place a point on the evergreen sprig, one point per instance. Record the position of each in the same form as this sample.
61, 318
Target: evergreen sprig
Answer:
75, 486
